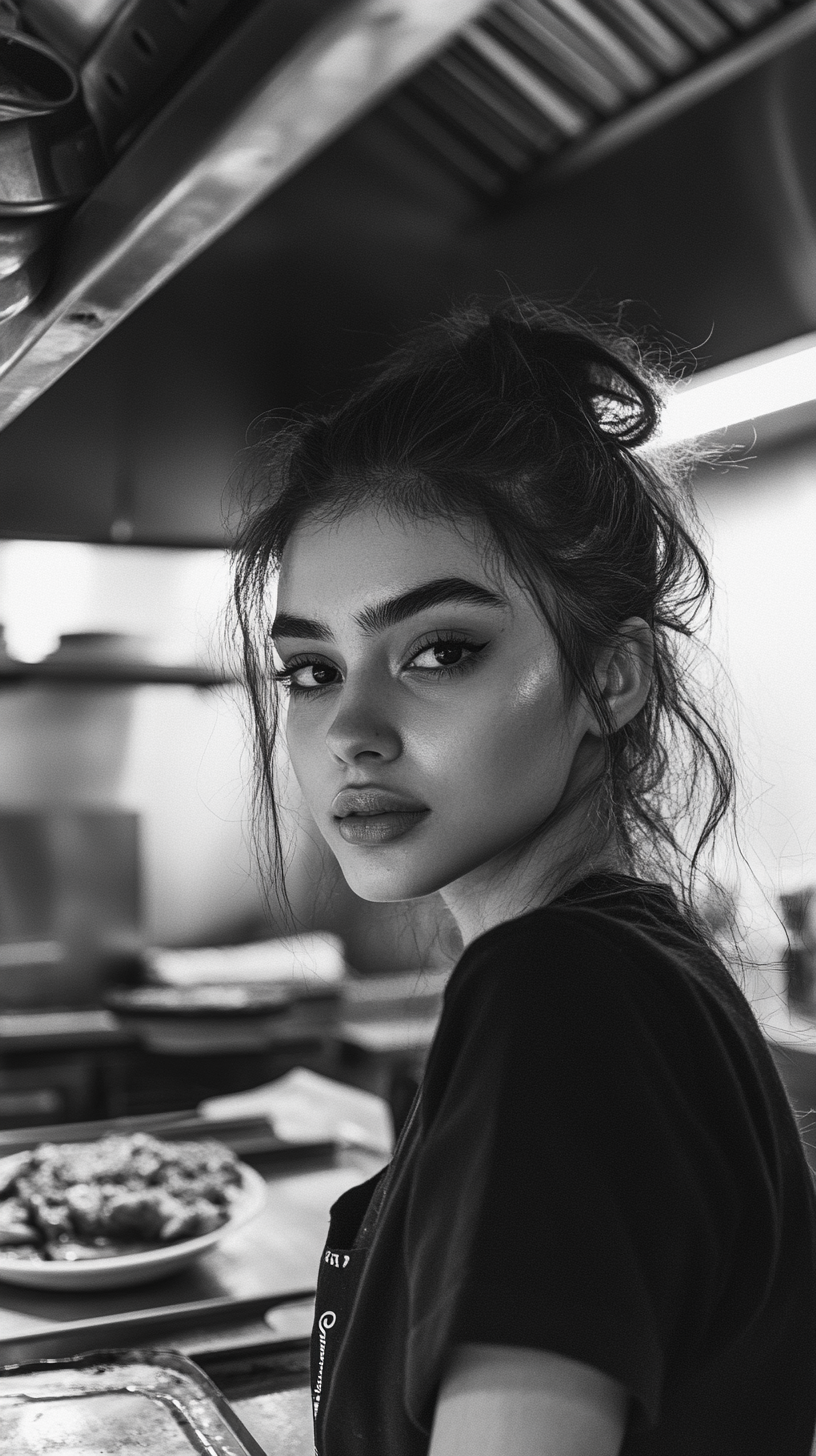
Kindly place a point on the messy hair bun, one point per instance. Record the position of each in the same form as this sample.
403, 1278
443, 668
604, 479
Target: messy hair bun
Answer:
531, 358
532, 423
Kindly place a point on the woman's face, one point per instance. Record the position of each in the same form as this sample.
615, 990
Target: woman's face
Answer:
420, 676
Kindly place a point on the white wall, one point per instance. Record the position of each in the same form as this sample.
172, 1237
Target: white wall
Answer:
761, 516
181, 758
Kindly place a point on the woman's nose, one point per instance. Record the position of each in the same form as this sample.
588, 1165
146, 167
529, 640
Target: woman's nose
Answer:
362, 724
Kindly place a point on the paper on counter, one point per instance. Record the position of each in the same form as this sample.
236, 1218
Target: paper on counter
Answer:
303, 1106
312, 960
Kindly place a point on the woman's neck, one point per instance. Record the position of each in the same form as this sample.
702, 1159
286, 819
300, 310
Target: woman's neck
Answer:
512, 885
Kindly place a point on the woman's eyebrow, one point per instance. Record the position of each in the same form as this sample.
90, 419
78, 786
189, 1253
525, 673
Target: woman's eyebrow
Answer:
387, 613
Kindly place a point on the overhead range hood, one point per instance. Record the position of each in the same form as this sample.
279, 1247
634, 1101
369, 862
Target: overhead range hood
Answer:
244, 99
203, 107
533, 91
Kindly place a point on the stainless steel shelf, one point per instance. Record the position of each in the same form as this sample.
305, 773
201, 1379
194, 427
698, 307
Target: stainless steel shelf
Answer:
100, 674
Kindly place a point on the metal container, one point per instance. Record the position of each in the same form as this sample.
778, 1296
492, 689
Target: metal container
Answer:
799, 914
50, 158
118, 1403
19, 289
34, 80
21, 237
69, 903
72, 26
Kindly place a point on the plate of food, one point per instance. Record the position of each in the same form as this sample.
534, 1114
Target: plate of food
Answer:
122, 1209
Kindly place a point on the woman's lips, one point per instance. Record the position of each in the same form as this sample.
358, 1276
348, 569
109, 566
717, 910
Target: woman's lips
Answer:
378, 828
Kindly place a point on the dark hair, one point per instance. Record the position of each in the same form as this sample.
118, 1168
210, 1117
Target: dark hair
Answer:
530, 422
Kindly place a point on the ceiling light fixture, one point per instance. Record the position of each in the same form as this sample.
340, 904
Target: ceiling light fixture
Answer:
745, 389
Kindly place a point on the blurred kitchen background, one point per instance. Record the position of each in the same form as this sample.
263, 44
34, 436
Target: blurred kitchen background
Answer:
258, 198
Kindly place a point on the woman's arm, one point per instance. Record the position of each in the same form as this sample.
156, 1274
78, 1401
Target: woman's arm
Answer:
498, 1400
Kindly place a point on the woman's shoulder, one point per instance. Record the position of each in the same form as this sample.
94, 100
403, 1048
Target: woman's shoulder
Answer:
615, 950
618, 993
607, 916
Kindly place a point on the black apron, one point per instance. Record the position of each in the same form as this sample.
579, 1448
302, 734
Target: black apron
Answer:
352, 1225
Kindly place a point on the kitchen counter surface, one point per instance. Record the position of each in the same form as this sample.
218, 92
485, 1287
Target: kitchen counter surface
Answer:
257, 1355
278, 1252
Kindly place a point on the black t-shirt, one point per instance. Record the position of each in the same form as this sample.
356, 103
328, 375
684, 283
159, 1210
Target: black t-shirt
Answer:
601, 1162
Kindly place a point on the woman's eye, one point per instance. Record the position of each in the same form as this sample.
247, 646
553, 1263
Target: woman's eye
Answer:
321, 675
446, 655
295, 678
441, 658
442, 654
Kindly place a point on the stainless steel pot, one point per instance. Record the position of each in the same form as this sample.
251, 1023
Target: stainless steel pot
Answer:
50, 158
49, 152
21, 237
48, 162
34, 80
19, 289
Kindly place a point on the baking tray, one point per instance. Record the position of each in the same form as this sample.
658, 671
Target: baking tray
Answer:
251, 1136
152, 1326
118, 1403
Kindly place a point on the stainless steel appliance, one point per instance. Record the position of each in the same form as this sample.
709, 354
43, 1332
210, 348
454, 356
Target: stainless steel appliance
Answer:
69, 902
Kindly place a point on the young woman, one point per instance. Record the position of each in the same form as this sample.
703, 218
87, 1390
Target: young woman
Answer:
596, 1234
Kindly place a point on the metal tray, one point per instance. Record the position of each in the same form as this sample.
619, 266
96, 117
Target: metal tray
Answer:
118, 1403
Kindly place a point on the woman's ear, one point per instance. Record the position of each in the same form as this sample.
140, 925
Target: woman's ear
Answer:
623, 672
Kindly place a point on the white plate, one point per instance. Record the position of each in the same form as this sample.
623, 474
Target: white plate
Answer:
124, 1269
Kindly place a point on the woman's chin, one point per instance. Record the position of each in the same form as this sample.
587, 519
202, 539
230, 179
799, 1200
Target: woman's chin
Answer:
382, 885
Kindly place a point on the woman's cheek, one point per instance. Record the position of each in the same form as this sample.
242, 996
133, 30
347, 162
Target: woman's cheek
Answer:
299, 749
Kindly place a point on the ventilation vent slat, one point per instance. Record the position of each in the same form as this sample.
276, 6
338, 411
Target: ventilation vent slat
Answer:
624, 64
506, 105
537, 89
699, 24
568, 116
439, 140
471, 123
746, 13
650, 36
551, 44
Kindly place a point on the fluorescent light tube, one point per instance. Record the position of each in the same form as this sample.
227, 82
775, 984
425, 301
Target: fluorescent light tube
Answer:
759, 384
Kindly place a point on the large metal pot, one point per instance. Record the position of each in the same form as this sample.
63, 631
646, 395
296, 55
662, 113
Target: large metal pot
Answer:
50, 158
49, 152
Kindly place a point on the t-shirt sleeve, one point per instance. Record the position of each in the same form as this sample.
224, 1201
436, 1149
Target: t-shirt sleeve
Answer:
568, 1193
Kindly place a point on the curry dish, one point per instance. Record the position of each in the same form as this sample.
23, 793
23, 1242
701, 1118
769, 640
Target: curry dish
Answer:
120, 1194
